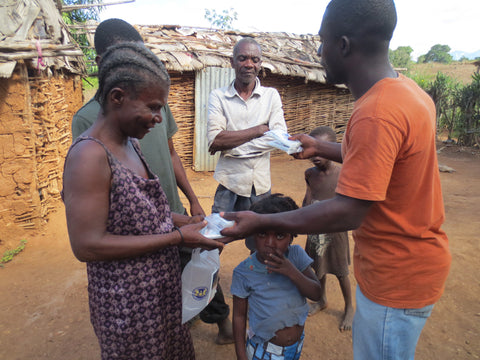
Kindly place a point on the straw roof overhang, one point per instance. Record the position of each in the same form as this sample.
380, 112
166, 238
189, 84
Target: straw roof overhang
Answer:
191, 49
33, 30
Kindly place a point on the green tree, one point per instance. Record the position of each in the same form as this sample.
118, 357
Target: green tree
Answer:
468, 101
79, 17
458, 107
401, 57
444, 92
438, 53
221, 20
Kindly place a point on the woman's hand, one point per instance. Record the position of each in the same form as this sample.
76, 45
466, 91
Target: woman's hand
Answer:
192, 238
195, 219
181, 220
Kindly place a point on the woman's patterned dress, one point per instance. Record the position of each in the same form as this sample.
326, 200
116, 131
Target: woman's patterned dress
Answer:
135, 303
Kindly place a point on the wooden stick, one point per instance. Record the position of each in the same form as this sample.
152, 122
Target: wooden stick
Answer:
31, 45
34, 54
86, 6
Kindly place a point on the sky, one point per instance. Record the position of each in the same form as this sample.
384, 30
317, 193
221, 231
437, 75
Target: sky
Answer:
421, 23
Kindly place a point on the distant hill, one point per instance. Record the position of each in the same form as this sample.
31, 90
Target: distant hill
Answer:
457, 55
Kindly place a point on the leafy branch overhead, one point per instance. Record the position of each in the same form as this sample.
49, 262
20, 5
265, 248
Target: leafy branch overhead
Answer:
221, 20
79, 17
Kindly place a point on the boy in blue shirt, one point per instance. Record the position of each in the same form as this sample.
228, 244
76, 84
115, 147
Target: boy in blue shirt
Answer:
273, 284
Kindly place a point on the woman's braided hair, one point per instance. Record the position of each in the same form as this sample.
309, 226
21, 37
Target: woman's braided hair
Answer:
130, 66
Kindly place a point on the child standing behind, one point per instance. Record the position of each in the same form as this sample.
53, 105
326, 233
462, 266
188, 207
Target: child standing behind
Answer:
330, 252
273, 284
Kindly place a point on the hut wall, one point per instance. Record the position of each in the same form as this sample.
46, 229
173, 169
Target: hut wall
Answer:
18, 195
309, 105
35, 115
54, 101
182, 103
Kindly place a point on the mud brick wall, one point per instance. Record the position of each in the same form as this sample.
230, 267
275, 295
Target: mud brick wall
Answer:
35, 118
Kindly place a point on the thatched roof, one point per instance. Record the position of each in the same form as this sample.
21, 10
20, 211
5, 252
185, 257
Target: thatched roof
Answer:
187, 49
31, 27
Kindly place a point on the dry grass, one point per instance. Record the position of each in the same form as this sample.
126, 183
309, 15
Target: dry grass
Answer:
460, 71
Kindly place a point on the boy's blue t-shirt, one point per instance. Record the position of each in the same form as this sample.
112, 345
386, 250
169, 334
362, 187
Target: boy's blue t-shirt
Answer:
274, 301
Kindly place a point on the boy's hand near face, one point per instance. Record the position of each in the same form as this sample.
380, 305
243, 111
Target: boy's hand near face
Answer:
277, 262
306, 281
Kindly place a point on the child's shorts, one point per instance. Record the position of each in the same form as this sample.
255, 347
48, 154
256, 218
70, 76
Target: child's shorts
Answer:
269, 351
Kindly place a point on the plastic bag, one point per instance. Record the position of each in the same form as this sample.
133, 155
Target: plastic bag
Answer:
215, 224
199, 282
280, 141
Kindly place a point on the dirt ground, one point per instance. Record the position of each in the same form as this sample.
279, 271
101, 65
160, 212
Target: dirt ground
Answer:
44, 311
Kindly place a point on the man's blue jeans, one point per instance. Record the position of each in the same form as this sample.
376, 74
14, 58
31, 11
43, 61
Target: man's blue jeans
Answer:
385, 333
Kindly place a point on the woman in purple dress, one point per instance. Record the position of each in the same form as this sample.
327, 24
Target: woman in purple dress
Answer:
119, 221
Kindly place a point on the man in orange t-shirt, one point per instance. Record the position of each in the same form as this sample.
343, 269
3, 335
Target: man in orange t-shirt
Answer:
389, 158
388, 191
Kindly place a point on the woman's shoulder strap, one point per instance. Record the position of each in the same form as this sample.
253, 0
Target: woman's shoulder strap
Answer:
90, 138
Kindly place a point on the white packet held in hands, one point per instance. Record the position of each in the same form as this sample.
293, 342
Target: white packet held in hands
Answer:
280, 141
215, 224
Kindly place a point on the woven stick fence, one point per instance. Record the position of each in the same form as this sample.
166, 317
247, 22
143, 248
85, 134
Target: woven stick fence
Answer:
53, 103
309, 105
182, 103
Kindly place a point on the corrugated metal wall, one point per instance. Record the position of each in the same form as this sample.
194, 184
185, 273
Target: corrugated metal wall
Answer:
205, 81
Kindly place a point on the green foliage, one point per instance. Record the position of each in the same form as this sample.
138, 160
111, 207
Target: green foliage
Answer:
444, 92
438, 53
424, 81
421, 59
81, 16
400, 57
9, 254
457, 105
468, 102
221, 20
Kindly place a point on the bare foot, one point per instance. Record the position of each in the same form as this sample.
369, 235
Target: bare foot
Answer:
346, 324
225, 333
224, 340
315, 307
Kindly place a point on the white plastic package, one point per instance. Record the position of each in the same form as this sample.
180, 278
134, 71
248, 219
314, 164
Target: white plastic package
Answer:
215, 224
280, 141
199, 282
